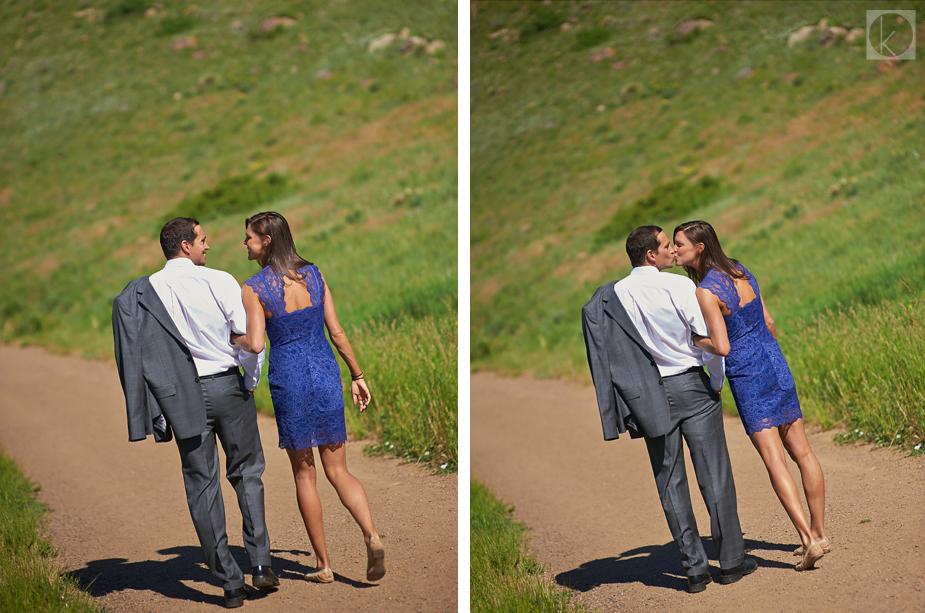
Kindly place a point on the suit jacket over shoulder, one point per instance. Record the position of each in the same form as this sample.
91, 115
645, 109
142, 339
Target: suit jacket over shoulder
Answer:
156, 370
630, 392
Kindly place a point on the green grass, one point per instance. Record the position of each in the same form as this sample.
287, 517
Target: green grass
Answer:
819, 155
504, 576
865, 368
414, 389
29, 574
106, 129
236, 195
667, 201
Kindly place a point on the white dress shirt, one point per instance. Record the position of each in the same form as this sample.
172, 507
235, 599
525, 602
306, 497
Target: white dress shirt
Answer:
664, 308
206, 306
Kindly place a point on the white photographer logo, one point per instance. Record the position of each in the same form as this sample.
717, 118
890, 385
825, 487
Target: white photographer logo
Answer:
879, 24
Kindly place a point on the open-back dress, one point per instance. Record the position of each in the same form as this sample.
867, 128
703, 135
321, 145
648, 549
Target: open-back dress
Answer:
759, 377
304, 376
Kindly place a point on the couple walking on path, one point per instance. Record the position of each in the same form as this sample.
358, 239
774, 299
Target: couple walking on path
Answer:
181, 335
648, 338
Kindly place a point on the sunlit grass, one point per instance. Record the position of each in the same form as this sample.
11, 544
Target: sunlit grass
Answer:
30, 575
504, 576
865, 368
411, 368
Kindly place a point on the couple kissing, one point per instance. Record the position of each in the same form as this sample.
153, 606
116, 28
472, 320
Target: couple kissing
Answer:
648, 338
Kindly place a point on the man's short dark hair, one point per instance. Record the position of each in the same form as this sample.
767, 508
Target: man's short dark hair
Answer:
642, 240
176, 231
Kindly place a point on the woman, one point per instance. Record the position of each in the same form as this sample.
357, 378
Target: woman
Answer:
290, 301
763, 387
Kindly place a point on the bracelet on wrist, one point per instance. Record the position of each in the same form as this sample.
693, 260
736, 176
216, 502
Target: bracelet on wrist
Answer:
356, 377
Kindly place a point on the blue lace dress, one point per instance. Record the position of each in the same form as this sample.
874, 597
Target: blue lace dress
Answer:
304, 377
761, 382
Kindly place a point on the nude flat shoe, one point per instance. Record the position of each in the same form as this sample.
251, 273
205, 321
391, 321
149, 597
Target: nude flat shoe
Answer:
811, 556
375, 555
824, 543
325, 575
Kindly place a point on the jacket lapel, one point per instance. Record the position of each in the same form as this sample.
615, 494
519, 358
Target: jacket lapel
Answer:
151, 302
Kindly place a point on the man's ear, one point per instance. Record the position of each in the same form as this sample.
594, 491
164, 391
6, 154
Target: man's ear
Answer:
185, 247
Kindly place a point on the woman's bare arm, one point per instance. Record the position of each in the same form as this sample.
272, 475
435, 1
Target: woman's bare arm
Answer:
358, 389
768, 321
718, 342
254, 341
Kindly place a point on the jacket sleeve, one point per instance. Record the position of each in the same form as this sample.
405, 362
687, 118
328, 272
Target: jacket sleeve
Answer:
607, 399
128, 359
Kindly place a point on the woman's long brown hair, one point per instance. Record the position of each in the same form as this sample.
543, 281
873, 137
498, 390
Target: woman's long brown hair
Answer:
280, 253
712, 256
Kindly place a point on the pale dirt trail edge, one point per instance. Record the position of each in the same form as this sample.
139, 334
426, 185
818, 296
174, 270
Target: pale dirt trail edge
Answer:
120, 518
597, 525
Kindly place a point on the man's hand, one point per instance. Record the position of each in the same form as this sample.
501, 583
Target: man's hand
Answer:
240, 340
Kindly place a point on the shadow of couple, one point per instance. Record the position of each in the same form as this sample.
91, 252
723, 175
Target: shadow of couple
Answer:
185, 564
653, 565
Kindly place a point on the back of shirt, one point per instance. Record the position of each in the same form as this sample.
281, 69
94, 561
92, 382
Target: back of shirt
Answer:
205, 304
664, 309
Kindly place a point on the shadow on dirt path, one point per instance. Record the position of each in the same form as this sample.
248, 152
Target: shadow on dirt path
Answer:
598, 527
120, 518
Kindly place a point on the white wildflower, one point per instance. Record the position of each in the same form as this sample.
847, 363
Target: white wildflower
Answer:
443, 466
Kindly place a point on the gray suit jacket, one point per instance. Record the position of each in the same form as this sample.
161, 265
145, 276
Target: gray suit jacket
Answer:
156, 369
630, 393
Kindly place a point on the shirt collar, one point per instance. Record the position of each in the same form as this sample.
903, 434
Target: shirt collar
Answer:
178, 263
645, 270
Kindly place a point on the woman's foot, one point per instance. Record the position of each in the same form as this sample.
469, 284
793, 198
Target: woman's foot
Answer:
324, 575
824, 543
811, 556
375, 555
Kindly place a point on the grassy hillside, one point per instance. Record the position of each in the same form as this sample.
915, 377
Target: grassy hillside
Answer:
806, 158
119, 113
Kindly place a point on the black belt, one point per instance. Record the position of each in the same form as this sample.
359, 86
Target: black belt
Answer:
690, 370
231, 371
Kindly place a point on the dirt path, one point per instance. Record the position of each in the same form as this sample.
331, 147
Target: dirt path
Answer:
598, 527
121, 520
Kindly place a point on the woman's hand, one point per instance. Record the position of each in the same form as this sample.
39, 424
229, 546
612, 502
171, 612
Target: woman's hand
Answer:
360, 394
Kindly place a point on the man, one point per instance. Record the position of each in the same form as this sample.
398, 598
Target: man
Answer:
180, 375
650, 381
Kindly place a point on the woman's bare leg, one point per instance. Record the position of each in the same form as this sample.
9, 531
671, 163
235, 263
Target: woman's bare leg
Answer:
303, 470
771, 449
794, 438
353, 496
349, 489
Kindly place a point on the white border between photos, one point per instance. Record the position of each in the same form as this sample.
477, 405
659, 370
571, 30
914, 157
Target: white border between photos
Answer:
464, 284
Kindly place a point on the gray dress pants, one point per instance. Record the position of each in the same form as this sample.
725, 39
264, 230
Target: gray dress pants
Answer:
231, 415
697, 418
